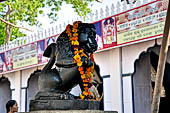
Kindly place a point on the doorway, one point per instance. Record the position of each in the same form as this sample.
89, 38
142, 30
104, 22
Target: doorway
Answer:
142, 85
144, 82
32, 89
5, 93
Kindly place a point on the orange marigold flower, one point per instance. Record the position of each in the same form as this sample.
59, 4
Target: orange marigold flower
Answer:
82, 72
85, 80
75, 42
80, 68
79, 64
88, 69
85, 85
75, 34
86, 88
81, 51
75, 48
74, 30
69, 34
85, 93
71, 39
75, 38
90, 75
72, 42
89, 93
82, 97
89, 80
75, 25
83, 76
75, 52
91, 70
87, 73
83, 54
77, 57
79, 61
68, 31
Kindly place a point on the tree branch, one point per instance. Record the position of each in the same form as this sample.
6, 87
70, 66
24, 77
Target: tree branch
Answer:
15, 25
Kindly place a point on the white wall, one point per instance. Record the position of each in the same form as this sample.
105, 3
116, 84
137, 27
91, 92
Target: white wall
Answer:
127, 94
19, 80
15, 80
131, 53
114, 62
107, 93
26, 75
109, 62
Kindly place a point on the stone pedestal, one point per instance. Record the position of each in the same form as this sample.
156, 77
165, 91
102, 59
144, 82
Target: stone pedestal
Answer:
63, 105
70, 111
61, 101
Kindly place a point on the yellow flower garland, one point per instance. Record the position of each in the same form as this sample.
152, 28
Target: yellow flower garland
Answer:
78, 53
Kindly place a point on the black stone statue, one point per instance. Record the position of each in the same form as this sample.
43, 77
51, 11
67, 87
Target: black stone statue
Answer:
55, 83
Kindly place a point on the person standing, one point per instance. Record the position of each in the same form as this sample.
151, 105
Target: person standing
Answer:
11, 106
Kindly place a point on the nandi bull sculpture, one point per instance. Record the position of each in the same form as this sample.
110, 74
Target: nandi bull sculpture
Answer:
72, 56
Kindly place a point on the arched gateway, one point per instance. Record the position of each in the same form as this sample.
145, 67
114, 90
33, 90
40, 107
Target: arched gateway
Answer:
32, 87
144, 79
5, 93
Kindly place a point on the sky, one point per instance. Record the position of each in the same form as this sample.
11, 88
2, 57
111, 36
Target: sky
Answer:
66, 14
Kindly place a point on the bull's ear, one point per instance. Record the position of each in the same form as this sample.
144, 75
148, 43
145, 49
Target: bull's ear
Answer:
50, 50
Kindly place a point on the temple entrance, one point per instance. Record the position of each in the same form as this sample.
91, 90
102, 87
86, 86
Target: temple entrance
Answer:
144, 82
5, 93
32, 88
165, 90
142, 85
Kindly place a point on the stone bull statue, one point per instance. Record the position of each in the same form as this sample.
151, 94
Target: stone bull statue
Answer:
55, 83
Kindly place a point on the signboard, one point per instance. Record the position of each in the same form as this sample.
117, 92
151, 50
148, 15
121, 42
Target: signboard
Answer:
144, 22
136, 25
25, 56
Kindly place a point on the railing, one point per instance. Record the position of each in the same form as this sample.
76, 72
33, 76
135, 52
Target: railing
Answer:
92, 17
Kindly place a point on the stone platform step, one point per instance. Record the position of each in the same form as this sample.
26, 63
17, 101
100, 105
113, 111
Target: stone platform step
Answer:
70, 111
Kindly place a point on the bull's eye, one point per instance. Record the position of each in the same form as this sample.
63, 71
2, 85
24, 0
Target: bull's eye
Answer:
91, 33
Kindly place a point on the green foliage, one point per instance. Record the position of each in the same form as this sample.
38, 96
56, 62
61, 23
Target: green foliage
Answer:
14, 34
80, 6
2, 33
28, 11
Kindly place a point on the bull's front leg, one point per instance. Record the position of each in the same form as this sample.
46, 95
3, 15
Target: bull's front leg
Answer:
49, 80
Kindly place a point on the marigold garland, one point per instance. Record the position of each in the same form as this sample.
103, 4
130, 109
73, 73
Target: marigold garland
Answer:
86, 74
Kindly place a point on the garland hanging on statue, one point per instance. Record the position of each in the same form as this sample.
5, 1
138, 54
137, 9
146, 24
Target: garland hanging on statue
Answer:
85, 72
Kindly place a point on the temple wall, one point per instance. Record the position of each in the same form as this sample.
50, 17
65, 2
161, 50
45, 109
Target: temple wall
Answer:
109, 62
118, 63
